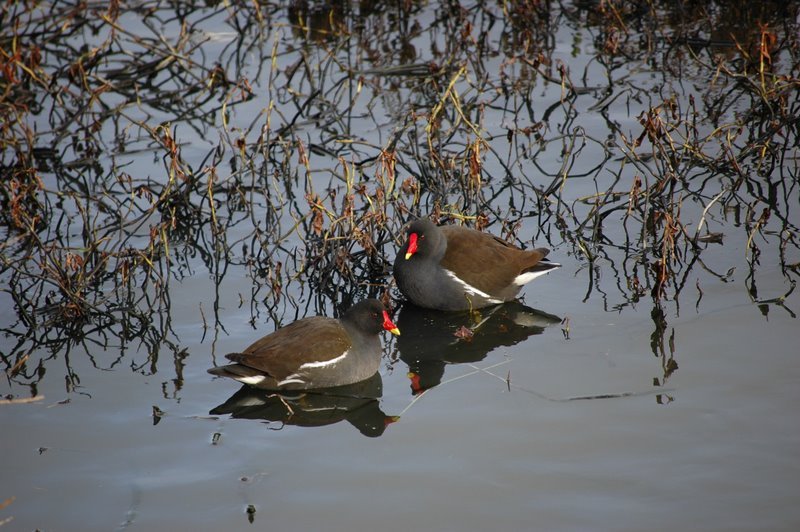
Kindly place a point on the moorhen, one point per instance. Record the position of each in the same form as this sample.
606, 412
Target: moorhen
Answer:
456, 268
315, 352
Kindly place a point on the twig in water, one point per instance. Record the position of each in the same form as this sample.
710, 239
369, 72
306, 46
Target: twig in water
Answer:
21, 400
705, 212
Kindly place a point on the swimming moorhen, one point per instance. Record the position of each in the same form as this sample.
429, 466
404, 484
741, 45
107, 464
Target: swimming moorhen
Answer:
457, 268
315, 352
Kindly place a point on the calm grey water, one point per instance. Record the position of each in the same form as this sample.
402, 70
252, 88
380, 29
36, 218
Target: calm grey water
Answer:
467, 455
537, 424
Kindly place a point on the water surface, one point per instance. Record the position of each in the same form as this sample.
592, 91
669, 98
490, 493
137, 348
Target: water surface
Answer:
614, 396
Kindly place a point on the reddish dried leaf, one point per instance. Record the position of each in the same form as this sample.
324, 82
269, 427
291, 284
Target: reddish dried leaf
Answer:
464, 333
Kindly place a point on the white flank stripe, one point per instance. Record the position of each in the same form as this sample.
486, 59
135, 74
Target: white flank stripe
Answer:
324, 363
294, 377
471, 290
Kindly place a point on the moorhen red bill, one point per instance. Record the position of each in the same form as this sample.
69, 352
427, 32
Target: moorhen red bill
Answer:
315, 352
451, 267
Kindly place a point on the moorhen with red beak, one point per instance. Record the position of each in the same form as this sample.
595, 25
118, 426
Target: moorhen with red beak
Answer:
315, 352
456, 268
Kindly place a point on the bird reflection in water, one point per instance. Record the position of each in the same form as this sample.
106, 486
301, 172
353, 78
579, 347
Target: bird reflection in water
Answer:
357, 403
432, 339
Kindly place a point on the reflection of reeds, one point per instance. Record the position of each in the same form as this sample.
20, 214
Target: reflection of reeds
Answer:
325, 130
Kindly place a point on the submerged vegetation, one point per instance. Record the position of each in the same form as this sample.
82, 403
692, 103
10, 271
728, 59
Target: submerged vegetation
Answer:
144, 144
